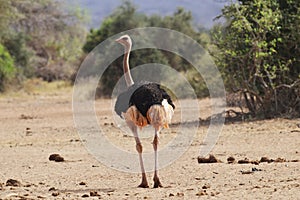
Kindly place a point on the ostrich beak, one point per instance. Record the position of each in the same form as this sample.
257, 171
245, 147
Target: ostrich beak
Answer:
118, 40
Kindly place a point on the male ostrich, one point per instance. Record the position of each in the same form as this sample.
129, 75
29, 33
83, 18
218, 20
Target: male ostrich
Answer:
142, 104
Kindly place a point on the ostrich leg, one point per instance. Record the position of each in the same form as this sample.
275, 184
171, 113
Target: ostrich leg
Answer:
139, 149
155, 144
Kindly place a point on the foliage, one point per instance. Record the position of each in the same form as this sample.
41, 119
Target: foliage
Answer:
8, 14
42, 36
259, 56
54, 36
125, 18
7, 70
17, 46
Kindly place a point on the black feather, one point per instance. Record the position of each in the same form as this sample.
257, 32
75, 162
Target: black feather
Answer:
143, 96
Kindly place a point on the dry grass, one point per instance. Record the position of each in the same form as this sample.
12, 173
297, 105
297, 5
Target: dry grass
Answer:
34, 87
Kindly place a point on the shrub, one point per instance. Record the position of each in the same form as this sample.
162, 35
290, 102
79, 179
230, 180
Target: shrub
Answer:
7, 69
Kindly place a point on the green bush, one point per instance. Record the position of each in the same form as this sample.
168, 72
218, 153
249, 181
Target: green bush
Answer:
42, 37
7, 69
16, 44
259, 56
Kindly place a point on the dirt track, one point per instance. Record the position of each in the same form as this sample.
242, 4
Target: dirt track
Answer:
34, 127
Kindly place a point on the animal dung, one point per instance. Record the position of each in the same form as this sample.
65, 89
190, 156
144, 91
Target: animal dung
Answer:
202, 193
210, 159
247, 161
13, 182
26, 117
264, 159
82, 183
230, 159
94, 194
55, 194
56, 158
28, 131
244, 161
52, 189
247, 172
206, 186
85, 196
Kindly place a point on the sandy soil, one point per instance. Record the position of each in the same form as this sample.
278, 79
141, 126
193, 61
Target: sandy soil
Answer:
34, 127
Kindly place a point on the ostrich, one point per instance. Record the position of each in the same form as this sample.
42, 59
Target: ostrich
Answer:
140, 105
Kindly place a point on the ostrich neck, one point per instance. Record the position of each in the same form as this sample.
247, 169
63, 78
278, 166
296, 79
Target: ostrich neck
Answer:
126, 68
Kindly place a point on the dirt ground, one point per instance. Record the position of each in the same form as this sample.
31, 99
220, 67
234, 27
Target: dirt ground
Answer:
32, 127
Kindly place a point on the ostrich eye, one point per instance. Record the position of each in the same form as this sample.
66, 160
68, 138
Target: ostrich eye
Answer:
125, 38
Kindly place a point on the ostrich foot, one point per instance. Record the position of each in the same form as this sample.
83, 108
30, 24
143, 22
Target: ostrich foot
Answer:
156, 182
143, 185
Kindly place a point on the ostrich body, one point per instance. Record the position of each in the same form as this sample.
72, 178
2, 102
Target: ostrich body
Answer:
140, 105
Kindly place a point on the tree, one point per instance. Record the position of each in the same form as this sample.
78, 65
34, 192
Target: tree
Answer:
54, 34
8, 14
126, 17
42, 36
257, 52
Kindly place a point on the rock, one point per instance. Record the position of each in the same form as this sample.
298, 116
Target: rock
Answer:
254, 169
13, 182
56, 158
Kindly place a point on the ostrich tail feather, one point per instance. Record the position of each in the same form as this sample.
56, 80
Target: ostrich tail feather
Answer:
160, 116
132, 114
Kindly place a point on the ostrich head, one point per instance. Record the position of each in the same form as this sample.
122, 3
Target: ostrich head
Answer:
125, 40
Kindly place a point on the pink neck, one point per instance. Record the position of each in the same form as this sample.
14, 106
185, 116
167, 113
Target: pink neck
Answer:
126, 68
